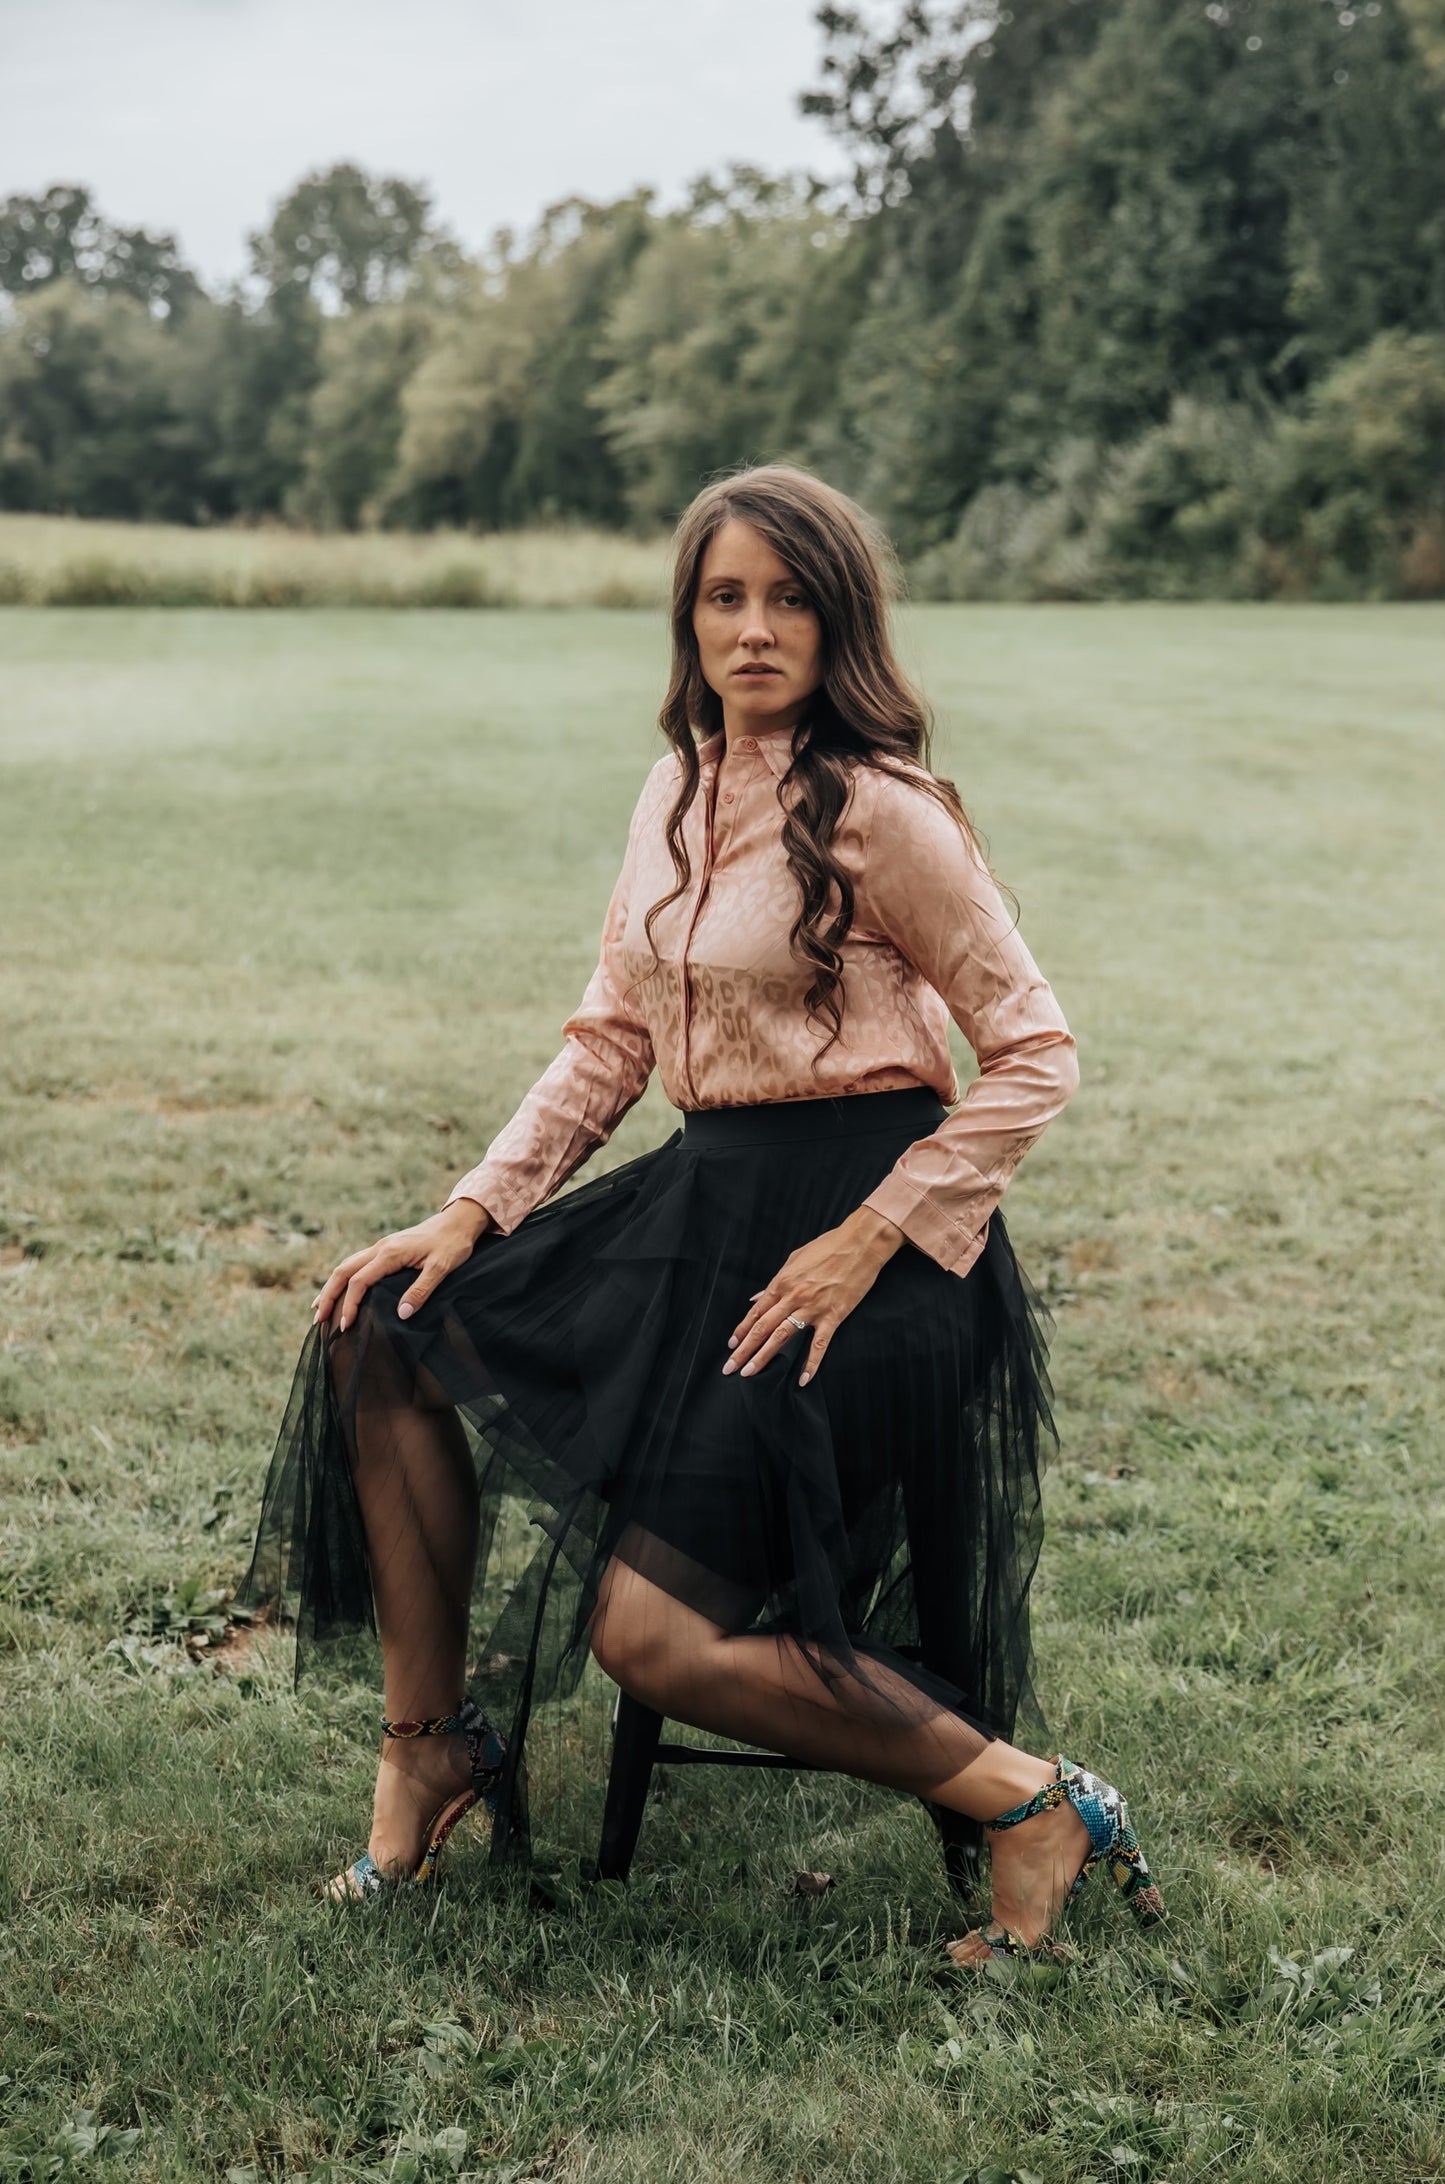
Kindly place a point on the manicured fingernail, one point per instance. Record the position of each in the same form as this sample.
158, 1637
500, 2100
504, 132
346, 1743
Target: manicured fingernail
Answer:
732, 1342
804, 1379
403, 1311
730, 1364
751, 1365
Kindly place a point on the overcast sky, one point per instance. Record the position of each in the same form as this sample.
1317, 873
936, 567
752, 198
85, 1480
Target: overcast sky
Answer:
194, 116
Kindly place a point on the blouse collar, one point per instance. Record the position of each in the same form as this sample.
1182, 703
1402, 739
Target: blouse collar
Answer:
774, 743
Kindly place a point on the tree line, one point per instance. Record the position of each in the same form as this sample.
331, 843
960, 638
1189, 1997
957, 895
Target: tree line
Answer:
1119, 297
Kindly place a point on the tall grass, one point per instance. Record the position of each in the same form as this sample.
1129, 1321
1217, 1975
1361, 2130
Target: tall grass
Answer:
61, 561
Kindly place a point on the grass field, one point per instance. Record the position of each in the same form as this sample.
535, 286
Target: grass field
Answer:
294, 907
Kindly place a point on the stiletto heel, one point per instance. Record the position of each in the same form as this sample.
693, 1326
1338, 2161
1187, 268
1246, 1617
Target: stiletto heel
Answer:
363, 1879
1112, 1844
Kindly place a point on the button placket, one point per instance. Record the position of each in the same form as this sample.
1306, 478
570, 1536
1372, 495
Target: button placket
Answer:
709, 800
713, 828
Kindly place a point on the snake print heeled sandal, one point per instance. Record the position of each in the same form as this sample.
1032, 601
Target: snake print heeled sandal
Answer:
1112, 1844
363, 1881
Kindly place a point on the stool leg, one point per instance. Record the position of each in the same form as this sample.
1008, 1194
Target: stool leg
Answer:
634, 1747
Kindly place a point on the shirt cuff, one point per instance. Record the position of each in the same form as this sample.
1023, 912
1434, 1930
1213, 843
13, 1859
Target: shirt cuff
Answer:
908, 1205
505, 1213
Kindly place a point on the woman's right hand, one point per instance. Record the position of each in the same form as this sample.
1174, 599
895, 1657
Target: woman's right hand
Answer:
436, 1245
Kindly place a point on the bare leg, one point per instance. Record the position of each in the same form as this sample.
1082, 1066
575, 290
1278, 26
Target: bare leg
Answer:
416, 1483
762, 1690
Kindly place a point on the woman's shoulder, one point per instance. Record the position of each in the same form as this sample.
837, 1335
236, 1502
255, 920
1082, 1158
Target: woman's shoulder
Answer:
665, 773
897, 798
661, 781
894, 773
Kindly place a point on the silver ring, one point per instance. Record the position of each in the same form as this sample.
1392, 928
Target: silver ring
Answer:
801, 1323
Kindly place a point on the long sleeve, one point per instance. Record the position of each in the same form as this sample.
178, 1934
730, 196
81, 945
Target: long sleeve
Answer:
930, 893
582, 1095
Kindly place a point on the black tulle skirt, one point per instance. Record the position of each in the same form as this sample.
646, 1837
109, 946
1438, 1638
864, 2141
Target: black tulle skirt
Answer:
466, 1476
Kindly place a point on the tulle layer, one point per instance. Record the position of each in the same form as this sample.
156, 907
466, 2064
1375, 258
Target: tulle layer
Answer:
547, 1460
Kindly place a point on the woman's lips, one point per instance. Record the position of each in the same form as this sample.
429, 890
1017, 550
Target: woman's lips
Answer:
756, 671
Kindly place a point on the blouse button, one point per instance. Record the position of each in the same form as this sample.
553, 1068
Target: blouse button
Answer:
727, 796
750, 743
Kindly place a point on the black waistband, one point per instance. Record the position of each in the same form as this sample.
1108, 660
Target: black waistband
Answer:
915, 1107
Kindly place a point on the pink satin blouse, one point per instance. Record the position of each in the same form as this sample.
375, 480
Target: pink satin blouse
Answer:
723, 1022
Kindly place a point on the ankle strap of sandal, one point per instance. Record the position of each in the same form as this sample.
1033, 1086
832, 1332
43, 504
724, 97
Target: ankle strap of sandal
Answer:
1053, 1792
468, 1716
432, 1725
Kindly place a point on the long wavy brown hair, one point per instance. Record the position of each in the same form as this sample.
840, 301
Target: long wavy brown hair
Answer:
865, 711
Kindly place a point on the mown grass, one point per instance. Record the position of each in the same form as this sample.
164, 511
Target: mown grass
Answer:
294, 907
63, 561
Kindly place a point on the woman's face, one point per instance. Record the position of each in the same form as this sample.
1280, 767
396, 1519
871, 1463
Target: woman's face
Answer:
758, 637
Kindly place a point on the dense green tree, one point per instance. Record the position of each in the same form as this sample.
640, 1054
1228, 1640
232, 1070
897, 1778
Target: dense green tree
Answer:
935, 106
1352, 499
497, 425
1185, 209
1426, 23
354, 417
294, 400
266, 373
344, 239
90, 420
61, 235
723, 346
1344, 498
563, 465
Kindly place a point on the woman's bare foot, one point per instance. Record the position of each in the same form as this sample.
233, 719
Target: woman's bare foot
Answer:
1033, 1865
416, 1778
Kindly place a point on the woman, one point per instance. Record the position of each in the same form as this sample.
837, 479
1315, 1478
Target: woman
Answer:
774, 1391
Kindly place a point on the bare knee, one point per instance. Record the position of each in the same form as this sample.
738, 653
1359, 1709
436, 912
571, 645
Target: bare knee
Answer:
618, 1655
644, 1640
623, 1650
367, 1370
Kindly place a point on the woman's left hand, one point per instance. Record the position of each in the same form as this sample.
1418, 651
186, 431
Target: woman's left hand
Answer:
821, 1282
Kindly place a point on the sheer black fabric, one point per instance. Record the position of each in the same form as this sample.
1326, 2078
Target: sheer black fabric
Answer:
547, 1461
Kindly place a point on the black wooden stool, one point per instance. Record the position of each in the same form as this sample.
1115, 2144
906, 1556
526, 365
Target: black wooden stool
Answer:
637, 1747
